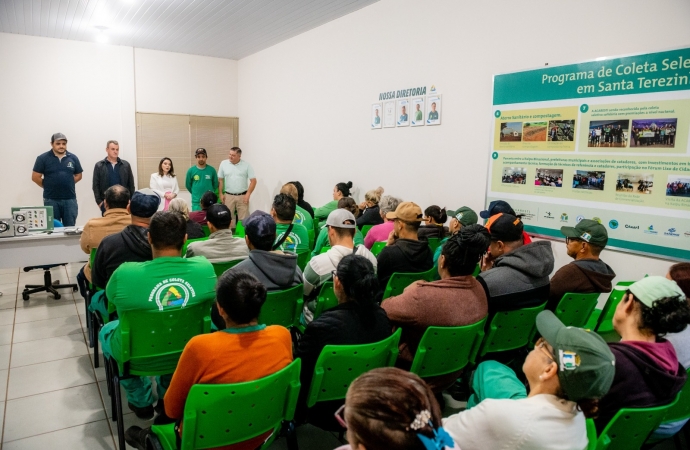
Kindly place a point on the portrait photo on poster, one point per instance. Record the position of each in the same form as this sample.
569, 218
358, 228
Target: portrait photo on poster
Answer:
417, 108
376, 113
403, 112
433, 115
389, 114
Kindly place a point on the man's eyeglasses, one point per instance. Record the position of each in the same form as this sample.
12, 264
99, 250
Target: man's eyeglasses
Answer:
568, 240
541, 345
340, 416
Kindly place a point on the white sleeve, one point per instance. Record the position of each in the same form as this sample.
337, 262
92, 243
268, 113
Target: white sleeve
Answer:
176, 186
155, 185
471, 429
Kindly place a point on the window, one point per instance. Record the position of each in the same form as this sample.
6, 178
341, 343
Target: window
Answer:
177, 137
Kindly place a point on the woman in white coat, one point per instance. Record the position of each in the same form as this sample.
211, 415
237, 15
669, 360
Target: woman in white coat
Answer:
164, 183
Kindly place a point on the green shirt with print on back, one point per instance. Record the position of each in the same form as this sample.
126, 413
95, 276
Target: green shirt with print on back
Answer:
302, 217
296, 241
198, 181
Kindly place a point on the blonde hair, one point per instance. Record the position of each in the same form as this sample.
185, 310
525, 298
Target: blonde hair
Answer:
291, 190
180, 206
374, 196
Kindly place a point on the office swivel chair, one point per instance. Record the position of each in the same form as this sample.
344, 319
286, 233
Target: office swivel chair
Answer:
48, 284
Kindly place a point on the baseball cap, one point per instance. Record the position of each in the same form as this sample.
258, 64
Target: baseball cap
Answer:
649, 289
219, 216
465, 215
339, 219
259, 225
144, 203
495, 207
586, 365
589, 231
407, 212
58, 137
200, 151
504, 227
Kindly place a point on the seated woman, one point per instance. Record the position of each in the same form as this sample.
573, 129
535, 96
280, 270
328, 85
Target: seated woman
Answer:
209, 198
388, 408
357, 319
244, 351
459, 218
322, 239
435, 218
647, 369
301, 202
370, 208
567, 371
194, 230
380, 233
339, 191
455, 300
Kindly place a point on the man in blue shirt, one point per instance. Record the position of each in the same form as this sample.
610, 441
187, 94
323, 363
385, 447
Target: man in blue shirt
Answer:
57, 171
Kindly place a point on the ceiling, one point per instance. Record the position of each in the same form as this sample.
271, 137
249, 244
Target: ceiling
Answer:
222, 28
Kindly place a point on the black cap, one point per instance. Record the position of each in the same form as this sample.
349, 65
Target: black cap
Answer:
258, 226
200, 151
219, 216
144, 203
495, 207
505, 227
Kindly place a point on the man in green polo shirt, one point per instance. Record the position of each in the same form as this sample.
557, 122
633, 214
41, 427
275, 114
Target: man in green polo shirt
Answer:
433, 114
167, 282
418, 113
200, 178
283, 213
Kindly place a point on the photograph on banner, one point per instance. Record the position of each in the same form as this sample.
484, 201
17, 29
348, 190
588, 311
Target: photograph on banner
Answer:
376, 114
678, 186
591, 180
608, 133
433, 103
389, 114
536, 129
561, 130
418, 107
514, 175
403, 112
635, 183
549, 177
654, 133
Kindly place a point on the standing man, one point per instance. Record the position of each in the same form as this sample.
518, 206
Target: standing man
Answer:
111, 171
200, 178
57, 171
236, 182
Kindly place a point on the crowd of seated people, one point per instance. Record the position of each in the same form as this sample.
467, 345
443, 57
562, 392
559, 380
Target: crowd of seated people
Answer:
571, 373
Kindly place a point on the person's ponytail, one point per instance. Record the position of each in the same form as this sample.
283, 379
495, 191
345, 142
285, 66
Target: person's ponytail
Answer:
359, 281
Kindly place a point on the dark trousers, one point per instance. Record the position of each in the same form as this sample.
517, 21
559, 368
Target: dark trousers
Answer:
83, 283
64, 210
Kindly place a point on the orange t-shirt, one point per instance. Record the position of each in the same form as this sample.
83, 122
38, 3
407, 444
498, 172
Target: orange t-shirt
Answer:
223, 358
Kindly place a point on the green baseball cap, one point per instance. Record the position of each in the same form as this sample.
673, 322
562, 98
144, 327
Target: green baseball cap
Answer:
586, 365
589, 231
649, 289
465, 215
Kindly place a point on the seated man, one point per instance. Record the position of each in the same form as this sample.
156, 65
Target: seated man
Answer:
455, 300
514, 275
404, 252
500, 206
207, 199
114, 220
587, 274
133, 286
244, 351
568, 371
291, 237
341, 226
459, 218
220, 246
302, 216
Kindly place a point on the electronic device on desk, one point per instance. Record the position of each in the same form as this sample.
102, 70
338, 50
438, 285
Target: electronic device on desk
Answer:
6, 228
72, 231
32, 218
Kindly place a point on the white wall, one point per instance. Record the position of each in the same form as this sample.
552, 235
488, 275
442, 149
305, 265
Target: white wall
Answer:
304, 103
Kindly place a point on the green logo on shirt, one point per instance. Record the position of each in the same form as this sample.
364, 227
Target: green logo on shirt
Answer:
196, 177
172, 292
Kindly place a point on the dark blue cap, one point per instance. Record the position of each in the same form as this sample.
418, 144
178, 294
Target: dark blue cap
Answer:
258, 226
495, 207
144, 203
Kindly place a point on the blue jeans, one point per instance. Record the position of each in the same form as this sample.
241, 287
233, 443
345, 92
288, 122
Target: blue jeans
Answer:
64, 210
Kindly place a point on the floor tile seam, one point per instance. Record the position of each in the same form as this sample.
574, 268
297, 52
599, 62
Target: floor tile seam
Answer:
49, 361
7, 385
51, 391
54, 431
61, 335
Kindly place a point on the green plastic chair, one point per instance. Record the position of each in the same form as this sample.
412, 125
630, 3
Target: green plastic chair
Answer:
444, 350
326, 299
152, 337
303, 257
591, 434
216, 415
377, 247
574, 309
631, 427
604, 324
239, 230
312, 239
509, 330
221, 267
189, 241
324, 249
434, 243
339, 365
92, 288
365, 229
477, 271
399, 281
680, 409
283, 307
207, 231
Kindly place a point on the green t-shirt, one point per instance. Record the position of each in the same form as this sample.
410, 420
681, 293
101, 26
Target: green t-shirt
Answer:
302, 217
433, 115
418, 115
199, 181
296, 241
322, 240
321, 214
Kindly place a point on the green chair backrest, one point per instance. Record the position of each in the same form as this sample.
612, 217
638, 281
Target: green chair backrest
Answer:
605, 322
339, 365
326, 299
377, 247
221, 267
434, 243
574, 309
239, 231
283, 307
444, 350
92, 259
509, 330
631, 427
477, 271
681, 409
218, 415
324, 249
303, 257
365, 230
207, 231
399, 281
591, 434
312, 239
149, 336
189, 241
